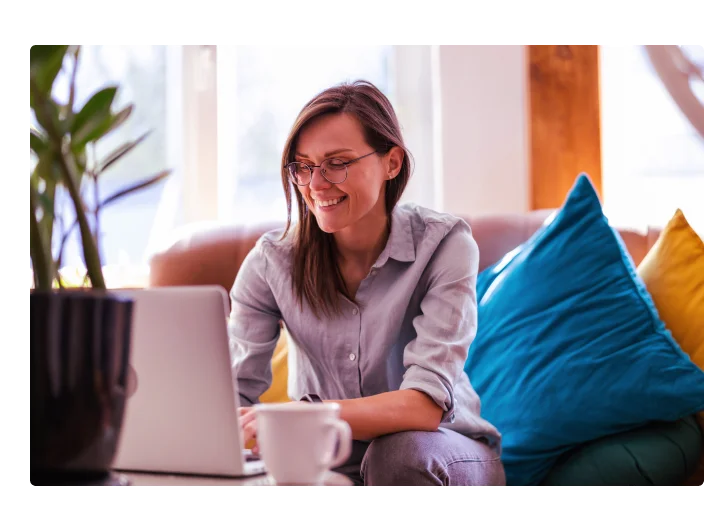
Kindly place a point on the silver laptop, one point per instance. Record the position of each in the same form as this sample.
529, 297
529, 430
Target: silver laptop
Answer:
182, 415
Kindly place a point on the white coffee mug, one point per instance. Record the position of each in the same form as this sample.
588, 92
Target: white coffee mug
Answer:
297, 440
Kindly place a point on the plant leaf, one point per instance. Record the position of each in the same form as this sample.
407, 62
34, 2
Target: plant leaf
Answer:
108, 125
121, 151
47, 204
45, 64
119, 118
47, 167
37, 143
136, 187
42, 264
94, 115
46, 112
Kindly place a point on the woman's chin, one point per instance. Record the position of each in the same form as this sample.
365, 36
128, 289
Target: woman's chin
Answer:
329, 227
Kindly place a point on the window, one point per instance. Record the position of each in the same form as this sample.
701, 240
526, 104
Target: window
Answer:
261, 90
126, 226
219, 117
653, 158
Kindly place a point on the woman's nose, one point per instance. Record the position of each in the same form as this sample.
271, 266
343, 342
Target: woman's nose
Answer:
317, 181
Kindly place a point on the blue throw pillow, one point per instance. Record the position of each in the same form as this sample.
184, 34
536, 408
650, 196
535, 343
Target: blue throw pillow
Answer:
569, 346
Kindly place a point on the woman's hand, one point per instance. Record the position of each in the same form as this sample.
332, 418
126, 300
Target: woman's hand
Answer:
248, 423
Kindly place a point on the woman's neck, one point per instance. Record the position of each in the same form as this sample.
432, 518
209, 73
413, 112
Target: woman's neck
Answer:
361, 244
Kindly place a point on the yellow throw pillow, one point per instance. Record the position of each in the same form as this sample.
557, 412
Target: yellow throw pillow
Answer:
673, 273
278, 391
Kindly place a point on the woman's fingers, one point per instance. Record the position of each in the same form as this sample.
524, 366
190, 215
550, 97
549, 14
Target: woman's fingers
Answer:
246, 416
248, 424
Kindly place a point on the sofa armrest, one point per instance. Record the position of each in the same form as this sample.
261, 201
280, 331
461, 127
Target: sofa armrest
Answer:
202, 255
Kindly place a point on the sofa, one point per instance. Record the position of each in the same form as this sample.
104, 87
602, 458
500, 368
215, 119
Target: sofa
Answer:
213, 255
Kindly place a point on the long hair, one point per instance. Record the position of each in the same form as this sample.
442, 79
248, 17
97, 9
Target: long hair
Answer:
315, 270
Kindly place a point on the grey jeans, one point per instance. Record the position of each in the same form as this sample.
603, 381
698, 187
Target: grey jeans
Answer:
419, 458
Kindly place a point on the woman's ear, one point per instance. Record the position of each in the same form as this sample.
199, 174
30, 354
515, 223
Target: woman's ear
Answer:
394, 162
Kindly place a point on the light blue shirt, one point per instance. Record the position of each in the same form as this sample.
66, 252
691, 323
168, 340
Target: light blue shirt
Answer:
413, 319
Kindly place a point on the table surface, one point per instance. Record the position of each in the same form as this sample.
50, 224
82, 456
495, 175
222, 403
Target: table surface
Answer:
162, 479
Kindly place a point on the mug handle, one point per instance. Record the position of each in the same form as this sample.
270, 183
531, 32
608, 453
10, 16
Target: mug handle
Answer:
344, 435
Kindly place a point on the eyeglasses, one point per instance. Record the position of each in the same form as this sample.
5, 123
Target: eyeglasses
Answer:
333, 170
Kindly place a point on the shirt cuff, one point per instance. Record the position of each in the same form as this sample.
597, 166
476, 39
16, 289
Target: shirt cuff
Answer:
436, 387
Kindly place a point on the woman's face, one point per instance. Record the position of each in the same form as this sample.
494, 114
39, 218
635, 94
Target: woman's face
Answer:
362, 193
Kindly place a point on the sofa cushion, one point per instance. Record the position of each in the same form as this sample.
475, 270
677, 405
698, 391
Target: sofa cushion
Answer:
673, 273
658, 454
278, 390
569, 346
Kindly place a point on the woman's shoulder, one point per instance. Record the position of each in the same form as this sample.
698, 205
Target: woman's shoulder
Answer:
275, 245
438, 235
422, 219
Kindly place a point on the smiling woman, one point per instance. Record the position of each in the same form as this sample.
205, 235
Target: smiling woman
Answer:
346, 121
384, 301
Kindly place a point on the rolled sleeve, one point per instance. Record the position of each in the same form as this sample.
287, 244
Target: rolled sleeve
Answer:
253, 327
435, 359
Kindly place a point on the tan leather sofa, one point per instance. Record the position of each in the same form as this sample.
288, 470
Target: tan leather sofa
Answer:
213, 255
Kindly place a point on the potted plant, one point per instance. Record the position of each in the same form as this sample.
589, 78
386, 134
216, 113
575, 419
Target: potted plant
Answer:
80, 337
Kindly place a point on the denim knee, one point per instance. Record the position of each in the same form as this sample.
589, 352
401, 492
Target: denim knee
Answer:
439, 458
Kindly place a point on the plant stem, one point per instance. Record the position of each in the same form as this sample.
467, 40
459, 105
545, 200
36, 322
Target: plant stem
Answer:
96, 196
90, 249
41, 264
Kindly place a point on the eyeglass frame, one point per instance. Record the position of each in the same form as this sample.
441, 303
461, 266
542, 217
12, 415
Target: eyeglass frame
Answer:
311, 168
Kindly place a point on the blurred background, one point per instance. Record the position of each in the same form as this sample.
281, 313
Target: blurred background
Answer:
471, 116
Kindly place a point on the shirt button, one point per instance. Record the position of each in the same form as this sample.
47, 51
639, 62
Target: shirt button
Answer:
373, 273
352, 357
355, 311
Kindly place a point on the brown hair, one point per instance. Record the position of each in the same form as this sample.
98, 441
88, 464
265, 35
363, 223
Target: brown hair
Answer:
315, 271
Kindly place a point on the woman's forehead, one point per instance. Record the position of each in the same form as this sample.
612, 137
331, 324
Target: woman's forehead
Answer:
330, 133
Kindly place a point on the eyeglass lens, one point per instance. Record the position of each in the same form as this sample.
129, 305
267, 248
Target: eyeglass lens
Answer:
333, 170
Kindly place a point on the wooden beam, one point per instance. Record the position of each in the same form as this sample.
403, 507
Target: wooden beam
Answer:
564, 121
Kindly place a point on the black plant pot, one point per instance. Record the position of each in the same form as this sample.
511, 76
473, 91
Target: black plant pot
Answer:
80, 351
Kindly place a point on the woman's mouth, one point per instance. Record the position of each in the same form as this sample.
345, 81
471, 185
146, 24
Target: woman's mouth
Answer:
329, 205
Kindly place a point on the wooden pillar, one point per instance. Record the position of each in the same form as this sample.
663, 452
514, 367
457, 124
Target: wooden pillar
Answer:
564, 121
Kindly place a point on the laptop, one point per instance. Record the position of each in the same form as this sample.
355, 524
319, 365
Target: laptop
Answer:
182, 415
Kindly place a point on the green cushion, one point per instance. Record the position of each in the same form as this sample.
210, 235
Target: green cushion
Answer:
659, 454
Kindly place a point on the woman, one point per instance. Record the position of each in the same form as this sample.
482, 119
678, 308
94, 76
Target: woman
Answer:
378, 301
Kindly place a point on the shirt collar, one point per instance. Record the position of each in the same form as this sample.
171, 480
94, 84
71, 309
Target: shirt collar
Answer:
400, 245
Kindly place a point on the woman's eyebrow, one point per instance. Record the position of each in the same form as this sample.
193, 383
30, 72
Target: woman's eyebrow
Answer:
327, 154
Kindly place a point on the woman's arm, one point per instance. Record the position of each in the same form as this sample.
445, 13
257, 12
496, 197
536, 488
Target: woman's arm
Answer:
435, 359
390, 412
253, 327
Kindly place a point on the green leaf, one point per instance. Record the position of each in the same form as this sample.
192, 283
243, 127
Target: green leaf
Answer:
136, 187
121, 151
42, 264
47, 168
46, 112
67, 116
81, 162
45, 64
120, 118
93, 117
46, 225
109, 124
47, 204
37, 143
